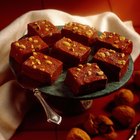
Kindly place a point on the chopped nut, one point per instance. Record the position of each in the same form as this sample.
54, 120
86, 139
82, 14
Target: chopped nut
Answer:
80, 66
30, 39
32, 63
112, 51
34, 53
110, 36
42, 69
32, 57
38, 61
33, 50
32, 46
89, 73
17, 44
89, 33
75, 76
96, 66
75, 28
101, 54
121, 62
78, 69
48, 62
100, 73
35, 41
47, 29
69, 40
22, 46
122, 38
107, 53
34, 66
88, 64
115, 45
82, 48
66, 43
122, 55
45, 56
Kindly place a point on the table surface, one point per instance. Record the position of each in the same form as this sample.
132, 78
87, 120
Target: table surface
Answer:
34, 125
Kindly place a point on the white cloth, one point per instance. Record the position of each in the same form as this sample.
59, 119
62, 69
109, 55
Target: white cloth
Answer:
12, 104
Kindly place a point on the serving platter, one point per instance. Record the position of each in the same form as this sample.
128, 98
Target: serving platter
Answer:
58, 89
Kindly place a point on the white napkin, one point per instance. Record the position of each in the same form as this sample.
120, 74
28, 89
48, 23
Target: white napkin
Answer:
12, 98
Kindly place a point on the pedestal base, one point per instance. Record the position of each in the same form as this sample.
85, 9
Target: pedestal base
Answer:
69, 106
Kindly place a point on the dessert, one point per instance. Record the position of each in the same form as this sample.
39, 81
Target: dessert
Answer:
46, 30
114, 41
85, 79
77, 134
71, 53
113, 64
42, 68
124, 115
123, 97
79, 32
23, 48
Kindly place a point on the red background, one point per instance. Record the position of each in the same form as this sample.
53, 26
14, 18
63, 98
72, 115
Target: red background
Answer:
34, 125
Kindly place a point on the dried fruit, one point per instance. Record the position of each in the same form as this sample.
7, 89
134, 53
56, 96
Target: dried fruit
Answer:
105, 124
124, 114
90, 125
101, 124
77, 134
123, 97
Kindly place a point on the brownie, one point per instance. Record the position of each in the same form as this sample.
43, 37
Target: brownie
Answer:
112, 40
42, 68
85, 79
23, 48
70, 52
113, 63
46, 30
79, 32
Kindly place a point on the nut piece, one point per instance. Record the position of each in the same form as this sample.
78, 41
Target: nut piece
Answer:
124, 114
77, 134
123, 97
